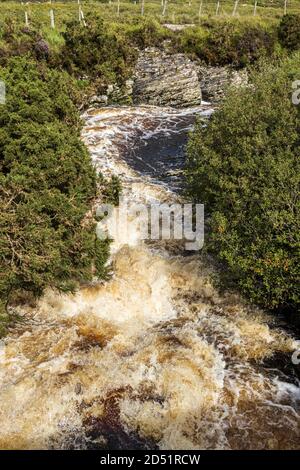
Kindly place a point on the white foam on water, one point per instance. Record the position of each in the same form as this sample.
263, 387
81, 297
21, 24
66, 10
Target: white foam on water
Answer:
156, 354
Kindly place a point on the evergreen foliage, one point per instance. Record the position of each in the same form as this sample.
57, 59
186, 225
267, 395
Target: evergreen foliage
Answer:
245, 166
47, 184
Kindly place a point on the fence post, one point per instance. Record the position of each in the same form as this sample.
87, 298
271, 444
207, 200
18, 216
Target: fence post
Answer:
235, 7
118, 8
165, 8
218, 8
255, 8
200, 10
26, 19
82, 17
52, 20
143, 7
285, 6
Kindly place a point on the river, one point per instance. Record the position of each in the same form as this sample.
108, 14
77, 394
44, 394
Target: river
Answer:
156, 357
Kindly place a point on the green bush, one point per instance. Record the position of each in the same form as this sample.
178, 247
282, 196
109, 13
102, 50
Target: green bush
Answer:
147, 33
253, 44
244, 166
20, 41
289, 32
47, 184
96, 51
228, 44
219, 47
192, 41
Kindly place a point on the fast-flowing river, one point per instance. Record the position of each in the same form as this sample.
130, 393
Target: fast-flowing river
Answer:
156, 357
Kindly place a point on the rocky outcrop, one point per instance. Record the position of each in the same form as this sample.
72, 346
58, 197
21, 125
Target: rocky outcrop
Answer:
215, 80
164, 79
114, 95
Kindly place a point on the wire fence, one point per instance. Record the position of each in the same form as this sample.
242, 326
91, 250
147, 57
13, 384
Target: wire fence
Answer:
55, 14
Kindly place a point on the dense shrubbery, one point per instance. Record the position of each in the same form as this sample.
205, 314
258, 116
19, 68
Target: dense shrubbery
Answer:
47, 183
227, 43
96, 51
146, 33
245, 166
19, 41
289, 32
253, 44
106, 52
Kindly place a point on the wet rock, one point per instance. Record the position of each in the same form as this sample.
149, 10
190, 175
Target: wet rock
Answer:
113, 94
215, 80
164, 79
98, 101
120, 94
281, 366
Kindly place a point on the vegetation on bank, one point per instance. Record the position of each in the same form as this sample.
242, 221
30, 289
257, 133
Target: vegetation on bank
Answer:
47, 185
104, 52
244, 165
106, 49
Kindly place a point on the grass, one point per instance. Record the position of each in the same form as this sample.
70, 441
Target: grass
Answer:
178, 12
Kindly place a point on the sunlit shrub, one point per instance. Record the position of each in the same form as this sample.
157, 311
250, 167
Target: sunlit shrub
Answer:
245, 166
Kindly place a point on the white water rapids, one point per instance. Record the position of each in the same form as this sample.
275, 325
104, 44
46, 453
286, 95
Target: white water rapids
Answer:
155, 357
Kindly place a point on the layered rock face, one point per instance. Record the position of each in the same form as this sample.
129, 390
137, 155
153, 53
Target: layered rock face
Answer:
164, 79
215, 80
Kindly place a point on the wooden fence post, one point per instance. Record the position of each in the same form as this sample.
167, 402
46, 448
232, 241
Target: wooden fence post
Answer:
218, 8
255, 8
200, 10
26, 19
52, 20
82, 17
235, 7
164, 8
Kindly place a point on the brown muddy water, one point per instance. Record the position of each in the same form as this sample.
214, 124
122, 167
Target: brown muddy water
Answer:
156, 357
